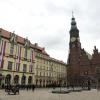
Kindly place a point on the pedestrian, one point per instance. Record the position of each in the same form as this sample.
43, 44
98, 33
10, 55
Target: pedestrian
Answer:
27, 87
33, 87
3, 86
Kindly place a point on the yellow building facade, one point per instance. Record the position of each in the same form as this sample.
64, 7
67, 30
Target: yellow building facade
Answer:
22, 62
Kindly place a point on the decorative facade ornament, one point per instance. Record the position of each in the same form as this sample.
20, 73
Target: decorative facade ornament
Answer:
13, 37
27, 43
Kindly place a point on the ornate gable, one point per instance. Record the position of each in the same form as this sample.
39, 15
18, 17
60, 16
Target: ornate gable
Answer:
13, 37
27, 43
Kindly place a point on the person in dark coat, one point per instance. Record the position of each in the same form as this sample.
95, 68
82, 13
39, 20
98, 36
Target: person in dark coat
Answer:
27, 87
33, 87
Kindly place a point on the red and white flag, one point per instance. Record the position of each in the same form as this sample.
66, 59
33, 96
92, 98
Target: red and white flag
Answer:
32, 56
18, 58
3, 45
0, 46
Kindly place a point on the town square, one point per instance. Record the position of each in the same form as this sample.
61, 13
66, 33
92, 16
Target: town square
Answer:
49, 50
46, 94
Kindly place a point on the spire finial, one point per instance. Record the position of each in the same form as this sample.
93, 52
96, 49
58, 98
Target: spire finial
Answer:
72, 14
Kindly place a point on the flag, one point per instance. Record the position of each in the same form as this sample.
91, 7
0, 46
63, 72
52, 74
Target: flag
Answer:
30, 68
3, 45
0, 45
31, 60
33, 55
18, 58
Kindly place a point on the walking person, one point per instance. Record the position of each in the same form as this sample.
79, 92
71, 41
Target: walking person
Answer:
33, 87
27, 87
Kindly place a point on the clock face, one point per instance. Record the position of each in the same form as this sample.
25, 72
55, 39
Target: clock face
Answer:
73, 39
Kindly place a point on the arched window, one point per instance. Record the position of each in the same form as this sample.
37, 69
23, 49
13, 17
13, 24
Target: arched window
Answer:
11, 48
16, 79
8, 79
30, 80
23, 80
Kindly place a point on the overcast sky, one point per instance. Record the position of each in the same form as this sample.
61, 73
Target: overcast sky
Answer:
47, 22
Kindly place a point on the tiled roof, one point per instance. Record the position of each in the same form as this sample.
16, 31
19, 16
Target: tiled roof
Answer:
60, 61
6, 34
20, 40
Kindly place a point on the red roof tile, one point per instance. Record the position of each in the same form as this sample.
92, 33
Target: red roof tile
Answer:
6, 34
20, 39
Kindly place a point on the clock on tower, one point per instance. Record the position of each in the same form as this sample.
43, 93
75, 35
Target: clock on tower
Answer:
73, 39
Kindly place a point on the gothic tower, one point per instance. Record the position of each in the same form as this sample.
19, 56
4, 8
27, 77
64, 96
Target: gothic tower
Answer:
83, 69
74, 44
74, 52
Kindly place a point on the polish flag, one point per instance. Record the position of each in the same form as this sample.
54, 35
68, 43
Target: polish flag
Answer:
0, 46
32, 56
3, 45
18, 58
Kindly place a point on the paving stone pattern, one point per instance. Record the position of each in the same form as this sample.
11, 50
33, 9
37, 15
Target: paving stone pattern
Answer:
45, 94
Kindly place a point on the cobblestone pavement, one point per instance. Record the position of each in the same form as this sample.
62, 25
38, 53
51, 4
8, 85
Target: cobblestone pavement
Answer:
45, 94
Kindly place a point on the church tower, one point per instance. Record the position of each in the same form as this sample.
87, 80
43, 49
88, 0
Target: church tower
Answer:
74, 44
82, 68
74, 53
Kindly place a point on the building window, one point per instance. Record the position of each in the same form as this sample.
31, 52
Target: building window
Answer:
40, 73
17, 66
47, 74
37, 66
37, 73
97, 71
24, 67
86, 73
44, 74
30, 68
11, 48
25, 53
10, 65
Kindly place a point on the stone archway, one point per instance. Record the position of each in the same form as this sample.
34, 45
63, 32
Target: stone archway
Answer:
30, 80
23, 80
8, 79
16, 79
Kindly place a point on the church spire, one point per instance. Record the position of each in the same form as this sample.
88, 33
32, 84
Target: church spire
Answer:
73, 22
72, 14
74, 30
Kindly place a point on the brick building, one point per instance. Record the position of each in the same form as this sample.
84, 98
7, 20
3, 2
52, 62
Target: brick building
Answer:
83, 68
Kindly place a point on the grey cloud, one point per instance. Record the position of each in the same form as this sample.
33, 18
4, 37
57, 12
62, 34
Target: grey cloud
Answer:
53, 39
53, 9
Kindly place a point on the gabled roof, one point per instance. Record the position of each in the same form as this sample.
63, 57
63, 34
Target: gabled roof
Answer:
59, 61
6, 34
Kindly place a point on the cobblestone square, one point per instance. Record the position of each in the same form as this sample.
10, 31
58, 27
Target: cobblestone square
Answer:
45, 94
